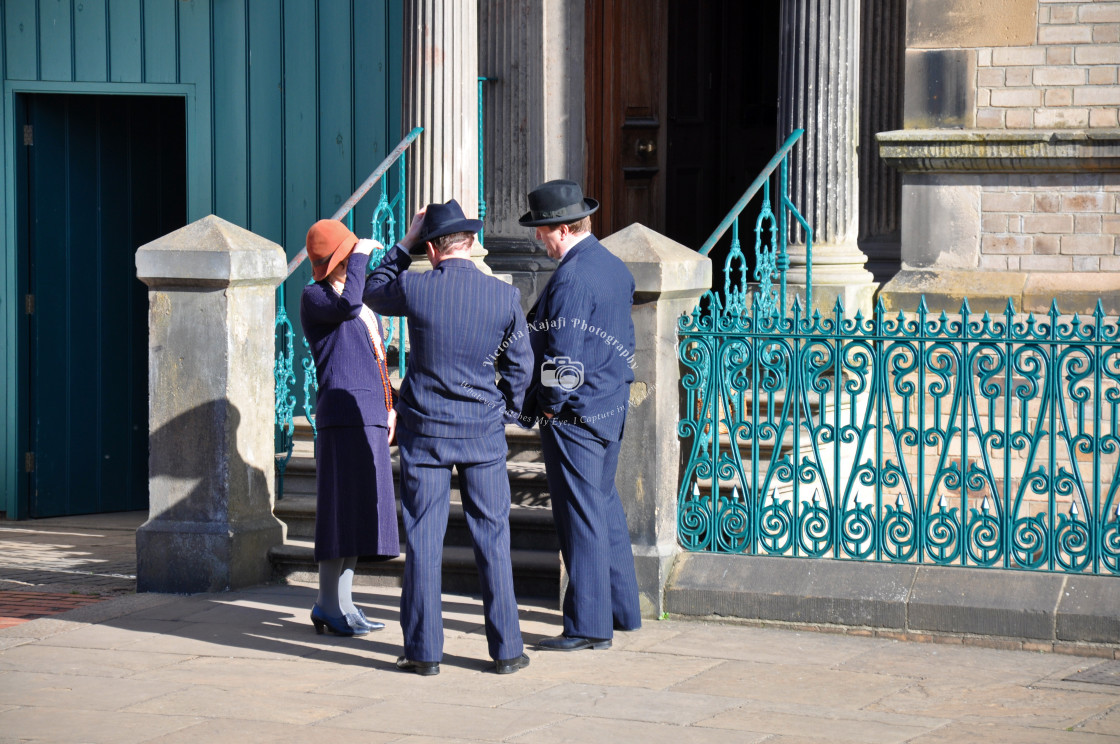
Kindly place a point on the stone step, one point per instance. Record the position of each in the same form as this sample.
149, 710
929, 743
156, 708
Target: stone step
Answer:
531, 527
524, 444
527, 480
536, 573
533, 544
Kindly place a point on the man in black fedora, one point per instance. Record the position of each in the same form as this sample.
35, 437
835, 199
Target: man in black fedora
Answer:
583, 344
463, 326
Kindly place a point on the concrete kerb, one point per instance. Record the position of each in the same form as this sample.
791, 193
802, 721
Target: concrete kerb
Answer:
1042, 610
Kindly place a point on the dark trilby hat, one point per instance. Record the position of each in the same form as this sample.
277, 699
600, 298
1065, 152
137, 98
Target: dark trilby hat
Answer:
444, 219
557, 202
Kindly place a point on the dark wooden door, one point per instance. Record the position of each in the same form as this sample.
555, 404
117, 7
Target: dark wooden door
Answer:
104, 175
723, 110
682, 102
625, 99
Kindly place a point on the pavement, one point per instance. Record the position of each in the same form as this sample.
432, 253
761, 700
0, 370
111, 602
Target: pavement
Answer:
247, 666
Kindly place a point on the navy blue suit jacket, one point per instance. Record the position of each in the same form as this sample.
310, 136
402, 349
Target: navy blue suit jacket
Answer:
581, 325
350, 389
463, 327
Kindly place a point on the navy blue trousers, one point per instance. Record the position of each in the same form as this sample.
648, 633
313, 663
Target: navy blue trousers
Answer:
591, 525
426, 464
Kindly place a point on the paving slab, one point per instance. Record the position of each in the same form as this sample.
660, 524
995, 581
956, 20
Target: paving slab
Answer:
573, 730
118, 634
794, 682
275, 675
76, 692
247, 666
232, 701
449, 721
1106, 724
674, 707
923, 660
709, 640
619, 668
95, 662
455, 687
860, 727
1007, 704
68, 725
239, 731
972, 733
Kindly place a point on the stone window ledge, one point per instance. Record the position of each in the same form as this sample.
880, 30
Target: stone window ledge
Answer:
1002, 150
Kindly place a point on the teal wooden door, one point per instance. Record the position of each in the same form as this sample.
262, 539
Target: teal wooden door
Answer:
104, 175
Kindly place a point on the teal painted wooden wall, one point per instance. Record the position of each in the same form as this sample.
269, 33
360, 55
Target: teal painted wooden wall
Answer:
290, 105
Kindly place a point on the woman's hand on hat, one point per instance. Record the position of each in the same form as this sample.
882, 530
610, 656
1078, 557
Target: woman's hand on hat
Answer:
410, 238
366, 246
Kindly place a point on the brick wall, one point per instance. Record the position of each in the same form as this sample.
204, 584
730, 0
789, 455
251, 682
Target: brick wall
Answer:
1067, 79
1051, 223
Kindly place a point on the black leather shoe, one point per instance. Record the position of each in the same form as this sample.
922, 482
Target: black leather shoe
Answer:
509, 666
423, 668
573, 643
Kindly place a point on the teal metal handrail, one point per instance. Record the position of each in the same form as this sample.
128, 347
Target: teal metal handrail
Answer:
772, 259
347, 208
388, 215
481, 154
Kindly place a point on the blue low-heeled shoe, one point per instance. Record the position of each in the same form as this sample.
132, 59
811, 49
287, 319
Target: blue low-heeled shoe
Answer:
347, 625
371, 624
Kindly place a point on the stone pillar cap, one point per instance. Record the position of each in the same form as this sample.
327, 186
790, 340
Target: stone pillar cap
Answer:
210, 253
662, 267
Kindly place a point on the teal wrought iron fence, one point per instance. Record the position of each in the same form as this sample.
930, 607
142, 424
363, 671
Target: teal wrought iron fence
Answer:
986, 442
389, 218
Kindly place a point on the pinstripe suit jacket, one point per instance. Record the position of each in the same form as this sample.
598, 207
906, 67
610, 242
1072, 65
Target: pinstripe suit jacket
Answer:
463, 327
582, 319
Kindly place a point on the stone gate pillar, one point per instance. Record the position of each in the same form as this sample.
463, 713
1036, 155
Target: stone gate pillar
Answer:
669, 280
819, 92
441, 95
211, 306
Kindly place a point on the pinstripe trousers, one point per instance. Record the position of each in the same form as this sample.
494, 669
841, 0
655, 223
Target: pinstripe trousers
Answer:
425, 497
602, 589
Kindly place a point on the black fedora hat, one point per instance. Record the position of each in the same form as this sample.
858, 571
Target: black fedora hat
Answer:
557, 202
444, 219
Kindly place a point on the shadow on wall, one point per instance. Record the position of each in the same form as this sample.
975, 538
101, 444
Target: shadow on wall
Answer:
210, 522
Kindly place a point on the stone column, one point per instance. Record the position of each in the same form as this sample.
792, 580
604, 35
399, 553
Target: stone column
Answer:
441, 95
532, 50
819, 68
882, 48
211, 304
669, 280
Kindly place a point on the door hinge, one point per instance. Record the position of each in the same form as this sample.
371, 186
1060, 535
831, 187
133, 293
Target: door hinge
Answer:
29, 462
28, 134
29, 304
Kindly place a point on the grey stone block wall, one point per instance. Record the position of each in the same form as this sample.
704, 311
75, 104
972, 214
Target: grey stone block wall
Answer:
1026, 606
